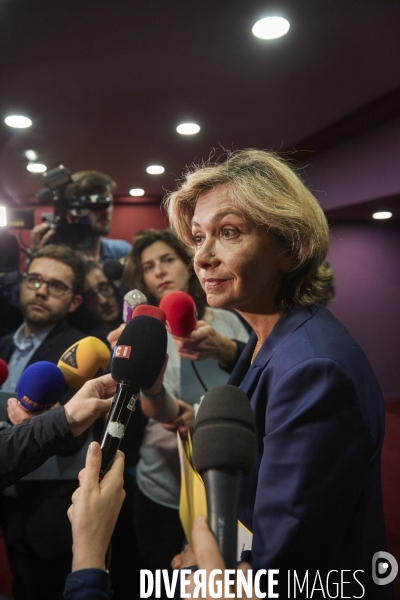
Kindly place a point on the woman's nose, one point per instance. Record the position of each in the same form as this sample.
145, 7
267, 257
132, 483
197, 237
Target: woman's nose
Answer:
206, 254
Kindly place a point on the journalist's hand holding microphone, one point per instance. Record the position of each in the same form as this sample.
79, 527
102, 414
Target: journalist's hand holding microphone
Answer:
95, 508
206, 342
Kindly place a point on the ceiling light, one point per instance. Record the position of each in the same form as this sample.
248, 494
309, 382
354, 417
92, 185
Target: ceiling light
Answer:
36, 168
155, 169
31, 155
271, 28
384, 214
136, 192
3, 216
188, 128
17, 121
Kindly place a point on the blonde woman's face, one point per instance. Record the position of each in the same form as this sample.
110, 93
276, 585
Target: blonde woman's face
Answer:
163, 270
237, 262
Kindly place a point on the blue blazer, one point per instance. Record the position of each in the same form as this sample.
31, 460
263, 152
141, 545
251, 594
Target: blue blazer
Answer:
313, 497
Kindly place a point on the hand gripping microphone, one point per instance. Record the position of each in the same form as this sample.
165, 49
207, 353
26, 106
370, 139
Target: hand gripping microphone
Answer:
181, 313
3, 371
136, 363
131, 300
40, 386
84, 360
223, 450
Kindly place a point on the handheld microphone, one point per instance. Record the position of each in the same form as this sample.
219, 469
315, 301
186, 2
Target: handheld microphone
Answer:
223, 450
84, 360
131, 300
3, 371
113, 270
181, 313
40, 386
150, 311
137, 361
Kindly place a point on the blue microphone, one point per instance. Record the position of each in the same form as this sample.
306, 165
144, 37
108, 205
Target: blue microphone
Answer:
40, 386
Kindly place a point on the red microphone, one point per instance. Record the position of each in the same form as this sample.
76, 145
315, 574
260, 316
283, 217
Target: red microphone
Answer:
149, 311
3, 371
181, 313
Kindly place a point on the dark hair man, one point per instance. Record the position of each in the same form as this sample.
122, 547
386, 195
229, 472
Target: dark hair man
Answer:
50, 290
86, 183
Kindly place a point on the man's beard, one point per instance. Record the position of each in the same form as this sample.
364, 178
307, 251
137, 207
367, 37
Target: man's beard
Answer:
101, 230
43, 319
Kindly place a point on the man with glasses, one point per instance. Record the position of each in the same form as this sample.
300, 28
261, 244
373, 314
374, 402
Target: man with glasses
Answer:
50, 290
36, 529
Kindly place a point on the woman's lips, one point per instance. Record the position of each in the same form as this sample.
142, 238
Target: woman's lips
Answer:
164, 284
212, 283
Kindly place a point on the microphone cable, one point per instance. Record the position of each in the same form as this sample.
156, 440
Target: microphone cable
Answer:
198, 377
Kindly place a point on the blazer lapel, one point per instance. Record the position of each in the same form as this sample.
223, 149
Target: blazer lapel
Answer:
246, 375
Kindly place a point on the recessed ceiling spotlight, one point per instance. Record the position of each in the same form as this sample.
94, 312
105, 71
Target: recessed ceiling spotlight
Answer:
31, 155
188, 128
36, 168
155, 169
271, 28
17, 121
383, 214
136, 192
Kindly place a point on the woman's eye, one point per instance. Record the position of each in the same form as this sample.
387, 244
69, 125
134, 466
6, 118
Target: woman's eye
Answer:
146, 268
197, 239
228, 233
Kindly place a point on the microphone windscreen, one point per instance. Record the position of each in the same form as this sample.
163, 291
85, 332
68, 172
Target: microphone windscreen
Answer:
3, 371
40, 386
150, 311
140, 352
180, 310
224, 431
113, 270
132, 299
84, 360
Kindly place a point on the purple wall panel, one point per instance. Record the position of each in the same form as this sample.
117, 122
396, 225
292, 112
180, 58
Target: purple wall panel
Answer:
363, 168
366, 259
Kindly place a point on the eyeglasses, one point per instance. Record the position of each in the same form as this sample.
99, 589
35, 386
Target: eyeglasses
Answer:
55, 288
104, 289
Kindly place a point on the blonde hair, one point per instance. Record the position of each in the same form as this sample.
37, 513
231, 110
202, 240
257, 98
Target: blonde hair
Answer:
269, 192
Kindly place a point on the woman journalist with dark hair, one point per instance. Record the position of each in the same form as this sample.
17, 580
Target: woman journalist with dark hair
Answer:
160, 263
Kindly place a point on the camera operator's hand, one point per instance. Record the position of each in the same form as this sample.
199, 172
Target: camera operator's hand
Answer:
40, 235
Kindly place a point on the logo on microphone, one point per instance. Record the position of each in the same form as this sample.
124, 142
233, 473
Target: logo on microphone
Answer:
69, 358
122, 351
384, 568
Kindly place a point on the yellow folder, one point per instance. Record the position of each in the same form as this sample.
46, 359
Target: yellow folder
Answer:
193, 500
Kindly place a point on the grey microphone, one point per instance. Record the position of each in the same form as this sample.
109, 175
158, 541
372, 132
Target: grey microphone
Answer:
223, 451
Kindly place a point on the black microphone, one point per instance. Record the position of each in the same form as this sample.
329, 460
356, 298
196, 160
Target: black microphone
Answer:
137, 361
223, 450
113, 270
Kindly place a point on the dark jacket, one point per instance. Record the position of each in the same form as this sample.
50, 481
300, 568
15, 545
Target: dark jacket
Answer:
313, 499
27, 446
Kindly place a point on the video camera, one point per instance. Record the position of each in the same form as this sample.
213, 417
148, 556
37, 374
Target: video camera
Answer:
78, 235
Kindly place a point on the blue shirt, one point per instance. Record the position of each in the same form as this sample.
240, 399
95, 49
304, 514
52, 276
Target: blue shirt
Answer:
113, 249
25, 348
